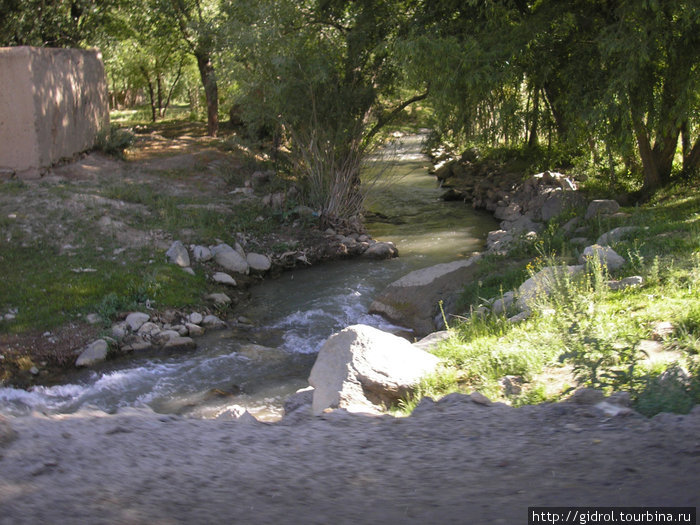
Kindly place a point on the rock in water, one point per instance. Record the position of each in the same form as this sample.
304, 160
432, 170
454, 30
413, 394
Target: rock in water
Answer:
413, 300
362, 368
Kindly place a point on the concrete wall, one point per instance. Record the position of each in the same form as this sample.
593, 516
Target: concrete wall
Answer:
53, 102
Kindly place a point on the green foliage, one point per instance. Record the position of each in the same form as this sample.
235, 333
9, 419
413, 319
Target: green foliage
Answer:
115, 141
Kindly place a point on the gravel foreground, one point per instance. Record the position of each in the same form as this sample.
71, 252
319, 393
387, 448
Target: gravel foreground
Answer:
455, 461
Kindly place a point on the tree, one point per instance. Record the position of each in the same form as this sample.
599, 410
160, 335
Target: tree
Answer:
51, 23
623, 73
325, 74
197, 24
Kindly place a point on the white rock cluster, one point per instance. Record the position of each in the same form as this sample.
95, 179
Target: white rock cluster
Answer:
141, 332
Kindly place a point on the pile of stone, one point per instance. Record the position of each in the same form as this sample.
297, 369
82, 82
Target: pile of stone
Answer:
141, 332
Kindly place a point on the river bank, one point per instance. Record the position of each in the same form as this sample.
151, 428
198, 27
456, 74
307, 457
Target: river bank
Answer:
86, 244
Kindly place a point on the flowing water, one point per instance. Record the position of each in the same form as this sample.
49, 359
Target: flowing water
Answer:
258, 367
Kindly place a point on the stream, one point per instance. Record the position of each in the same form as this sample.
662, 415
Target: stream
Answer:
260, 366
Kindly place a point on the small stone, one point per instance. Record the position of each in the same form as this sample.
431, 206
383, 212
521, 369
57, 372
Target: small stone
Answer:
119, 331
213, 321
94, 353
232, 261
627, 282
136, 320
34, 371
149, 330
601, 207
165, 336
181, 329
177, 254
606, 255
587, 396
258, 262
519, 318
381, 250
188, 270
93, 318
218, 298
195, 318
180, 343
194, 329
202, 254
223, 278
661, 330
480, 399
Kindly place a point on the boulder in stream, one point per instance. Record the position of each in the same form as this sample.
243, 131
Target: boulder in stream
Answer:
361, 369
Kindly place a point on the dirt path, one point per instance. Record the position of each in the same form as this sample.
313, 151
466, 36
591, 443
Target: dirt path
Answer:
451, 462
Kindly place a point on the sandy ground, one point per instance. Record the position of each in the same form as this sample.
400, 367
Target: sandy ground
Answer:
455, 461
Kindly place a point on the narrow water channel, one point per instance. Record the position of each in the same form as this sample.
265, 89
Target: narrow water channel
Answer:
259, 367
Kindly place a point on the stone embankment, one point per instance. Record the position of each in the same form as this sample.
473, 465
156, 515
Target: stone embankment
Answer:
422, 300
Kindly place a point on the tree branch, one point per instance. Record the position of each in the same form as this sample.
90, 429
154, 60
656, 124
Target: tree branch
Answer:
385, 118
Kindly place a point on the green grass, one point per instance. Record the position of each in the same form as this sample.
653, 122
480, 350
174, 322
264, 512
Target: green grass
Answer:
582, 324
48, 290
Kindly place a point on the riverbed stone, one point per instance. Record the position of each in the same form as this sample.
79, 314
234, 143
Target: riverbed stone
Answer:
94, 353
135, 320
194, 330
361, 369
195, 318
119, 330
258, 262
413, 300
213, 321
605, 254
180, 343
218, 298
223, 278
202, 253
381, 250
148, 329
232, 261
177, 254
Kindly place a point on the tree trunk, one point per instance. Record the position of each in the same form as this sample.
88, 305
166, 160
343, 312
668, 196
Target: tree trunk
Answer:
151, 94
657, 161
533, 140
211, 91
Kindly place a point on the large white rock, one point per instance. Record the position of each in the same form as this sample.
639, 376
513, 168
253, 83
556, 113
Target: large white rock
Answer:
177, 254
232, 261
362, 368
413, 300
